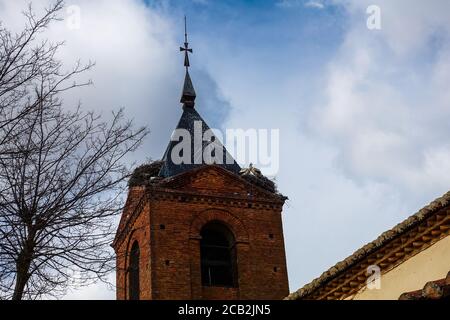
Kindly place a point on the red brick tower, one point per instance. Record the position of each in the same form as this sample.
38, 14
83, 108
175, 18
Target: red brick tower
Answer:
200, 231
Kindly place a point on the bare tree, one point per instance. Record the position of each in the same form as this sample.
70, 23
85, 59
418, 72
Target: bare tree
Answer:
23, 60
62, 172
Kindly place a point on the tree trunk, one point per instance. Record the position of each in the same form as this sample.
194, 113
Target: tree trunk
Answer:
22, 275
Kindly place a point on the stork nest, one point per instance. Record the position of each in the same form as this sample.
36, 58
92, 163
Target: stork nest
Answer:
143, 174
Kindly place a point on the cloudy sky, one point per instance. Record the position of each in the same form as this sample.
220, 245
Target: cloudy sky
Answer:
364, 115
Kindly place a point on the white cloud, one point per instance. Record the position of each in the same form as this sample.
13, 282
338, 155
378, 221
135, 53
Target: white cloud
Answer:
407, 26
316, 4
386, 106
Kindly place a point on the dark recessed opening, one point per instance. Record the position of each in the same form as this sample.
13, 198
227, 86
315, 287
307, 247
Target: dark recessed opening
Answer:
133, 272
218, 256
162, 226
249, 205
271, 235
167, 262
275, 269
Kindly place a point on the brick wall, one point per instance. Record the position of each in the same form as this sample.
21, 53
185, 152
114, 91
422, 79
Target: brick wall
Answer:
168, 226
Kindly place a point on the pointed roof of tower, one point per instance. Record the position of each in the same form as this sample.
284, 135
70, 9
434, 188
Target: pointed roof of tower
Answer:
188, 95
191, 129
194, 128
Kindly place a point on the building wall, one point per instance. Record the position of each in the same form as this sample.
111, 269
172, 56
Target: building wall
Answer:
428, 265
139, 231
168, 233
176, 251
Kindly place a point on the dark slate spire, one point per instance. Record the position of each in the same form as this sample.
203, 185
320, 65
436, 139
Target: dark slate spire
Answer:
188, 121
188, 95
176, 161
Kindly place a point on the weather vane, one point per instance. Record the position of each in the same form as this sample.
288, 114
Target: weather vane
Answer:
186, 48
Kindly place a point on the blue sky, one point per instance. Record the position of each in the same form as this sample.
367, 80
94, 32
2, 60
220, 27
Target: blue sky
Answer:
363, 114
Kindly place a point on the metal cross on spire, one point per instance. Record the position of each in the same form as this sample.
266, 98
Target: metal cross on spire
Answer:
186, 48
188, 95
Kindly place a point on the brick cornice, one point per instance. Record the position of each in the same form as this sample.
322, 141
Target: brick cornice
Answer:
275, 203
158, 193
179, 180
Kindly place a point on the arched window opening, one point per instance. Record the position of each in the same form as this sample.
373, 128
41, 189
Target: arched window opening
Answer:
133, 272
218, 256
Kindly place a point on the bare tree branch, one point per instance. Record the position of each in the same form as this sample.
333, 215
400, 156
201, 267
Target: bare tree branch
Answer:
62, 172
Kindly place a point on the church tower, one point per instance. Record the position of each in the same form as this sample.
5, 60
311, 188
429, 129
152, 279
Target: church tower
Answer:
200, 228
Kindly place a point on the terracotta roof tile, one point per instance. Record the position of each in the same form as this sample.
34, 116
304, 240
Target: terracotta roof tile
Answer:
433, 290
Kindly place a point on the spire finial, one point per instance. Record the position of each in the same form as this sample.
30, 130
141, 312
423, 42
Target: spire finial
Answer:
186, 48
185, 33
188, 95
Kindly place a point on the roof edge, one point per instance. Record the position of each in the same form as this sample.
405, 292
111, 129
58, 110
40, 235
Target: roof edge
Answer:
366, 250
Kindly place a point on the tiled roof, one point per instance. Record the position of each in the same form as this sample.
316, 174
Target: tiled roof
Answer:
362, 253
433, 290
187, 122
